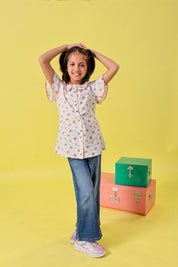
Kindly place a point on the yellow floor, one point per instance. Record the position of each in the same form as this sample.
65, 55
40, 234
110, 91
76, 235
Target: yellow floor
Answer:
37, 218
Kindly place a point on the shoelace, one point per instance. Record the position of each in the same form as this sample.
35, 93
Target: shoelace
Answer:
91, 244
94, 244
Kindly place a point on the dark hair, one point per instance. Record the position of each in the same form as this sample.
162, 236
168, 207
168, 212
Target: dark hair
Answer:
63, 60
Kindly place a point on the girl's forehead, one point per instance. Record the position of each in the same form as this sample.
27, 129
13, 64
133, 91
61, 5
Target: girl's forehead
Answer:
77, 56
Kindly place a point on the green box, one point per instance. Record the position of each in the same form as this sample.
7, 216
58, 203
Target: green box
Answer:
133, 171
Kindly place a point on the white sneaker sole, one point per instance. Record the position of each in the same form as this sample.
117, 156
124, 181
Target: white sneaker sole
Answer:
91, 254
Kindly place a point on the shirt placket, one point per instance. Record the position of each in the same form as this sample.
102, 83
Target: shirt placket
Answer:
79, 121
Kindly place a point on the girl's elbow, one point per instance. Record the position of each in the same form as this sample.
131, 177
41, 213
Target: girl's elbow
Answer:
117, 67
41, 59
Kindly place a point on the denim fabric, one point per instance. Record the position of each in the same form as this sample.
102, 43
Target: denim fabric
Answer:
86, 177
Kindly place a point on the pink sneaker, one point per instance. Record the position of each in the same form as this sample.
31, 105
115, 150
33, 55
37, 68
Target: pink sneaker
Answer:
73, 237
90, 248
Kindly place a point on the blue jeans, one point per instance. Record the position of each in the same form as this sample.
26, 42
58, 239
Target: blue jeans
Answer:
86, 177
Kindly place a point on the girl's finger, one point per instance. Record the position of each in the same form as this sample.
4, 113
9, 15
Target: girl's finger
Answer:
81, 45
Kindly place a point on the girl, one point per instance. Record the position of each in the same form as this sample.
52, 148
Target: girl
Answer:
79, 137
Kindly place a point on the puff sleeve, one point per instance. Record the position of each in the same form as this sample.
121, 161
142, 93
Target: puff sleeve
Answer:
52, 91
100, 89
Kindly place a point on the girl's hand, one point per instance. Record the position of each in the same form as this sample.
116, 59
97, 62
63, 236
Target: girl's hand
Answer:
79, 45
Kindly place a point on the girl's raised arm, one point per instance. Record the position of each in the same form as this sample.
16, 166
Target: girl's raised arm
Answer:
45, 59
112, 67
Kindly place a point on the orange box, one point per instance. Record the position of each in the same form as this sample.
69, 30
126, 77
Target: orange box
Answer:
128, 198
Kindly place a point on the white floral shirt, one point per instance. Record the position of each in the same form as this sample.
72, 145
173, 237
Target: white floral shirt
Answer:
79, 134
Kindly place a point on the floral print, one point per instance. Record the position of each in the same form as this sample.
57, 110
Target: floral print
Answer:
79, 134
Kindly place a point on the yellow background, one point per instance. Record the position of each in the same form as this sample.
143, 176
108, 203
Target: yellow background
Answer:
139, 116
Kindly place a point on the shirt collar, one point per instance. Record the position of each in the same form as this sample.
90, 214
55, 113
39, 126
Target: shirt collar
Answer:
78, 87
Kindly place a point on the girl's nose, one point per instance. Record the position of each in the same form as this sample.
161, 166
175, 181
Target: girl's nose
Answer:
76, 67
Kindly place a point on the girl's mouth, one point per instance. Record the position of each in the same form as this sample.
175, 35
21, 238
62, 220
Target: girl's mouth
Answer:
76, 74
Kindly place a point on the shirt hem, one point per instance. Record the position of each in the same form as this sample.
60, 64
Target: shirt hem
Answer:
79, 157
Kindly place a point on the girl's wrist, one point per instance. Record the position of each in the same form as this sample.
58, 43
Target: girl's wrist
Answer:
63, 47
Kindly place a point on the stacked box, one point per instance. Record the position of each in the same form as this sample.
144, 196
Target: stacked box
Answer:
130, 188
133, 171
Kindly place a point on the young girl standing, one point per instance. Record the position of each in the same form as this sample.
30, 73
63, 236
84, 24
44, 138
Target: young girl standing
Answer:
79, 137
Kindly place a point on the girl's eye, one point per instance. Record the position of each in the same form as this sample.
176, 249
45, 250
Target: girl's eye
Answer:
81, 65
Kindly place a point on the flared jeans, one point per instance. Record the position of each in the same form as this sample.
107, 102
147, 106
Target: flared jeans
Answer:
86, 178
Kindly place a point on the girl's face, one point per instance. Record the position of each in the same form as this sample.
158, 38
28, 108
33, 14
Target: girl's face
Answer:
76, 67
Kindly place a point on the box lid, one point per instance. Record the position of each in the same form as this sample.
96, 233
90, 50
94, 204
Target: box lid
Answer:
134, 161
108, 178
